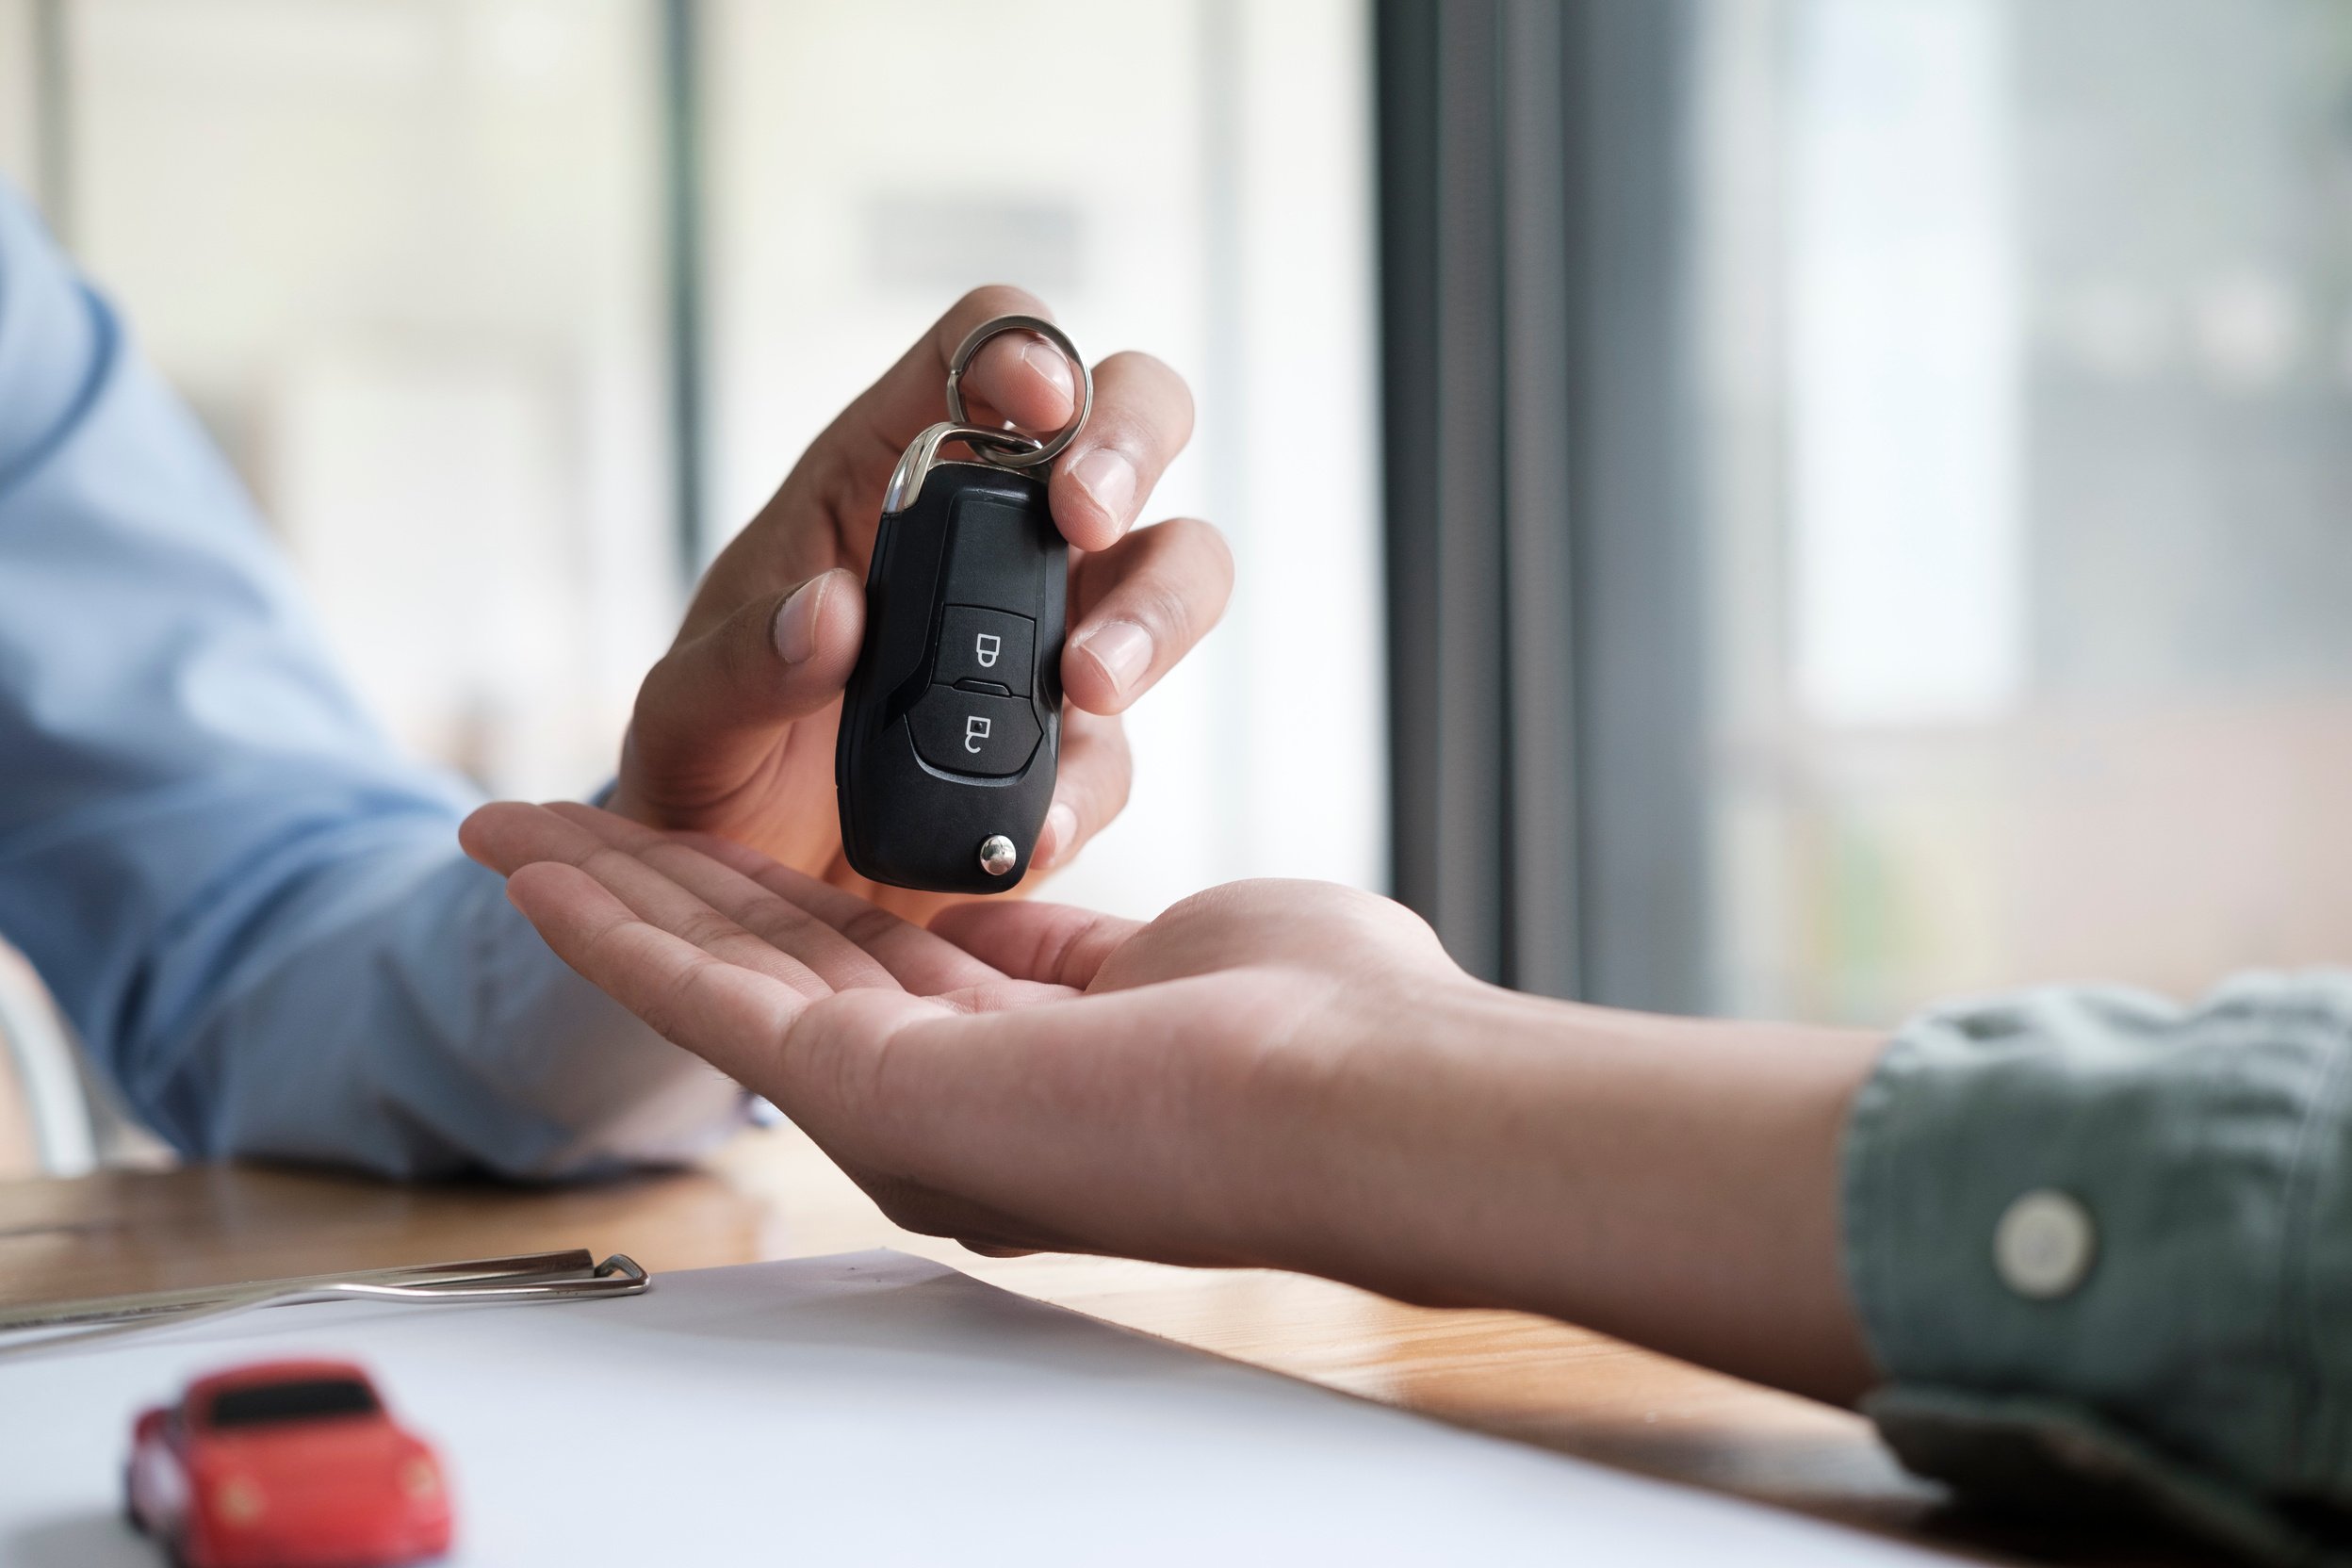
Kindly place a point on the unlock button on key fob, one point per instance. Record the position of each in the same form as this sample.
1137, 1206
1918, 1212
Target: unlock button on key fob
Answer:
985, 646
972, 732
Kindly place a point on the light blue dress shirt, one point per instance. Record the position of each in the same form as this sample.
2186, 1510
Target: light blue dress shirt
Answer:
250, 904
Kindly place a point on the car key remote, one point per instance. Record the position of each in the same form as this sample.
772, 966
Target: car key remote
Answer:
950, 726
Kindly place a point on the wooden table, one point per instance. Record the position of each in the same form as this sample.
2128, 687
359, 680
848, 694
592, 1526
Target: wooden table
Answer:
771, 1195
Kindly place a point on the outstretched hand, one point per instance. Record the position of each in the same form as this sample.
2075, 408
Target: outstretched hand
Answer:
733, 728
1280, 1073
1022, 1076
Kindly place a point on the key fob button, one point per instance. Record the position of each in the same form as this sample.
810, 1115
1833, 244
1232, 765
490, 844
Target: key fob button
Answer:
972, 732
986, 645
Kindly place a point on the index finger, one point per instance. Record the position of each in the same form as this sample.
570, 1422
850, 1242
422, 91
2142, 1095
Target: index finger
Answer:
1015, 376
1056, 944
923, 963
1141, 419
732, 1017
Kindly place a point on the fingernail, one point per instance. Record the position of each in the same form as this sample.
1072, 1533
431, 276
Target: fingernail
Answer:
1048, 362
1109, 479
1125, 651
1055, 836
797, 623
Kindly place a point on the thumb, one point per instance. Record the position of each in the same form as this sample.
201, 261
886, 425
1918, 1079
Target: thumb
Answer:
708, 713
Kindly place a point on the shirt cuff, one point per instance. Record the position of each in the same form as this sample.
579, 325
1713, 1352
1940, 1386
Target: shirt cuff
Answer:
2112, 1208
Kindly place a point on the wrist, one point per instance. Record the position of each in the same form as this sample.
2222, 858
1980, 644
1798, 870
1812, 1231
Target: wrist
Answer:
1373, 1131
1669, 1180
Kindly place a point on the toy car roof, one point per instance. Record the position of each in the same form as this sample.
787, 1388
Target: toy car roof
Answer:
261, 1374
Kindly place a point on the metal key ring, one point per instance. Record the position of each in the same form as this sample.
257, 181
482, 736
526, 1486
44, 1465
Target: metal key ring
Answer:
1051, 446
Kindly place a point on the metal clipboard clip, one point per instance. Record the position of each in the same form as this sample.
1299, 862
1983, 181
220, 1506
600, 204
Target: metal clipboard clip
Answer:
572, 1276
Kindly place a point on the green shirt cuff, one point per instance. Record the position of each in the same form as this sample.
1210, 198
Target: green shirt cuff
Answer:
2201, 1156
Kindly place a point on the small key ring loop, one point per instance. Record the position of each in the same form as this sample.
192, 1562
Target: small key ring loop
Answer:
1051, 447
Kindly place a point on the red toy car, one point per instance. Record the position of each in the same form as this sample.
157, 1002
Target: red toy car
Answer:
291, 1464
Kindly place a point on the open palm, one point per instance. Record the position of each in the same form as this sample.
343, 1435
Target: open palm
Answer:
1022, 1076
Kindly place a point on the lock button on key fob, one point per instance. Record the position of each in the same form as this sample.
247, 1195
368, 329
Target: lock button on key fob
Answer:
985, 649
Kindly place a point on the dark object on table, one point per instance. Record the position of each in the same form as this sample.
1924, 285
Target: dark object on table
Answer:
291, 1464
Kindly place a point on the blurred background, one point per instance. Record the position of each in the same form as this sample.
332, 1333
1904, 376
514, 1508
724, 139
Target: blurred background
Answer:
511, 312
1911, 442
1789, 507
2029, 393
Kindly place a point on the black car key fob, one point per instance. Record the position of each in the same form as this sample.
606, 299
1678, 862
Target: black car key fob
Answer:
950, 726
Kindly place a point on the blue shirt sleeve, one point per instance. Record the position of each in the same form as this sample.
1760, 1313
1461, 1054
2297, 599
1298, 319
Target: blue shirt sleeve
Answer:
252, 907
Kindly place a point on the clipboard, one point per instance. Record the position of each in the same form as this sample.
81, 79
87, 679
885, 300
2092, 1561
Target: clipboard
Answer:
527, 1278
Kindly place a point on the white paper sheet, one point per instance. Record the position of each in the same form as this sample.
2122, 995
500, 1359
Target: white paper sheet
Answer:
872, 1408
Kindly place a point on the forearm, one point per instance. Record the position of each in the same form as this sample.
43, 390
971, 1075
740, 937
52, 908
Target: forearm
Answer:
250, 904
357, 995
1672, 1182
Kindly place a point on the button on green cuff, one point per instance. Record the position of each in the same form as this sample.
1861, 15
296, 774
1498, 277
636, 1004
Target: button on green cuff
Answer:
2044, 1245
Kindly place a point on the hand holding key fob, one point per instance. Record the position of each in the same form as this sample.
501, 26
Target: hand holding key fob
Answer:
950, 726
